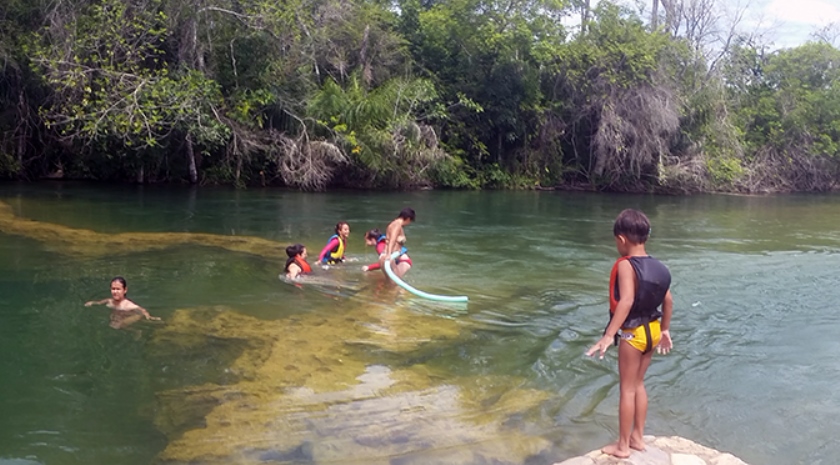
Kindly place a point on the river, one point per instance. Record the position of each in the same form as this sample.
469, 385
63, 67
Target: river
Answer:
347, 368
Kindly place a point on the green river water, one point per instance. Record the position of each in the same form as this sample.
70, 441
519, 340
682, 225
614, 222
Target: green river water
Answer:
349, 369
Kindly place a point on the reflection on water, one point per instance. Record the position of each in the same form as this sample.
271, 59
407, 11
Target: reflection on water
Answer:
348, 368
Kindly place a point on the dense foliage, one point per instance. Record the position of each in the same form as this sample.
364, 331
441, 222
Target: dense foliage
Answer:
314, 94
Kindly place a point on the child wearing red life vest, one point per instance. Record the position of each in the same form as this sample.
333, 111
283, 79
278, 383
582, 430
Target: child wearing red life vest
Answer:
296, 264
377, 238
639, 285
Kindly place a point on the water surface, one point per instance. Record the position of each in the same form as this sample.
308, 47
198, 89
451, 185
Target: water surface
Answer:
349, 369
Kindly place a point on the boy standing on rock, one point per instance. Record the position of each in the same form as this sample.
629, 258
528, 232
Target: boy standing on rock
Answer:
639, 285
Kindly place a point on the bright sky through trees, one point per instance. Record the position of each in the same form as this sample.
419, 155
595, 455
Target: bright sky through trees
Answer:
792, 22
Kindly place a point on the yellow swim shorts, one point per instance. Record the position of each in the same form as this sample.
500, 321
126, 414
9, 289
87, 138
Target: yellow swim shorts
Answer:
644, 337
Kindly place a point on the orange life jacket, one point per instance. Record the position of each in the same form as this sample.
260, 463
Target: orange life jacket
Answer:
304, 267
614, 285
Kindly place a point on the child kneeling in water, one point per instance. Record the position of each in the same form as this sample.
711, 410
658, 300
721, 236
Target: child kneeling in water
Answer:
333, 252
375, 237
296, 264
124, 312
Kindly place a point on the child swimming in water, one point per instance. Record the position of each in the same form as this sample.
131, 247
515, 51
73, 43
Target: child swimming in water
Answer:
296, 264
333, 252
375, 237
123, 311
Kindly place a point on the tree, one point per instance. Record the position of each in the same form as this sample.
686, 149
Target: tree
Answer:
830, 34
489, 53
788, 108
382, 129
617, 106
19, 128
112, 87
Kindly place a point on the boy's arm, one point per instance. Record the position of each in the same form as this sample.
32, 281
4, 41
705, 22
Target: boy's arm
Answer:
667, 311
627, 291
96, 302
144, 312
371, 267
666, 343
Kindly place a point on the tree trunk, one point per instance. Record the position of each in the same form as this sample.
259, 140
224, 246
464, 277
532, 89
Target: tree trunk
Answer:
22, 132
188, 52
238, 169
670, 15
191, 160
654, 15
584, 15
21, 148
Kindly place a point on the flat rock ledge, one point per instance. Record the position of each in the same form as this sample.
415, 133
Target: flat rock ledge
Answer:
672, 450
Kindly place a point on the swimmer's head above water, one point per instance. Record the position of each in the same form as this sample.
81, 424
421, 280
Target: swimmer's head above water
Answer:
372, 236
119, 288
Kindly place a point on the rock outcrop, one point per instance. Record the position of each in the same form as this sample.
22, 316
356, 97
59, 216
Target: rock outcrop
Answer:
672, 450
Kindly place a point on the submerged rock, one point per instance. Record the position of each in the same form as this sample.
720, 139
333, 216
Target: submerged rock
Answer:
316, 388
86, 243
672, 450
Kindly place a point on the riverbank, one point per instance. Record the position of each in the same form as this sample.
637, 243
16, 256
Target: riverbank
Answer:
672, 450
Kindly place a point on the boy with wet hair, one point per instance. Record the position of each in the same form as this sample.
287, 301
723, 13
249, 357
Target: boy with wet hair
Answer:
639, 285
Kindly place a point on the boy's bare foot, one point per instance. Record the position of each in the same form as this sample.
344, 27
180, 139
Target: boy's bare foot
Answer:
615, 451
637, 444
